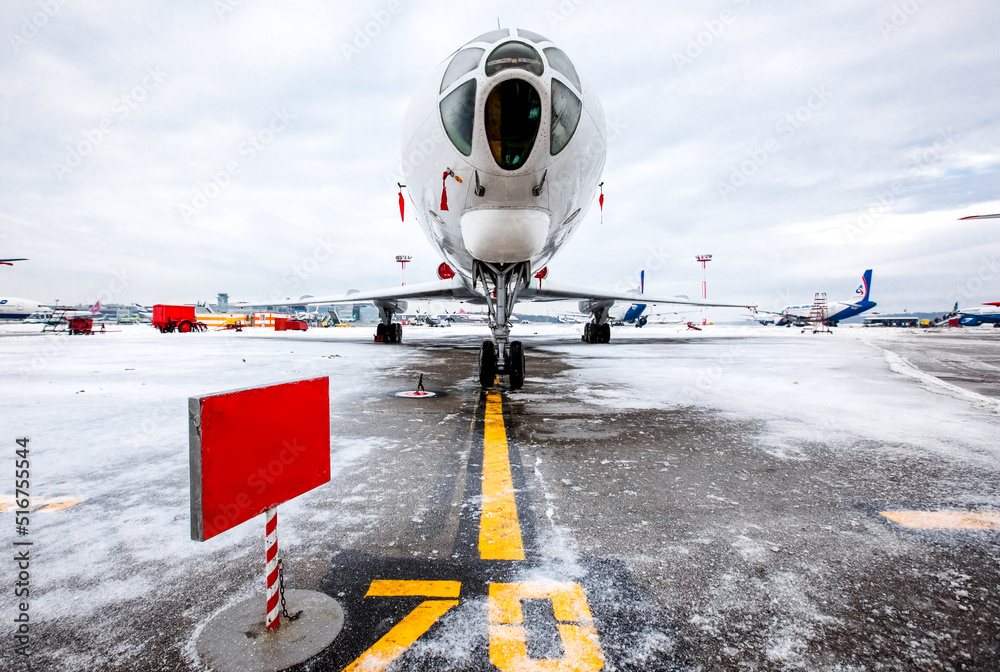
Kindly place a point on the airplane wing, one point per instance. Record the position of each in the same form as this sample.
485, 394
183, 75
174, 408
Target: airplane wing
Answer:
558, 292
439, 289
10, 262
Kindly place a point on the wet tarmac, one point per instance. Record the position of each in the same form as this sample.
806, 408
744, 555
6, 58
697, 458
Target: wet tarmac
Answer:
681, 501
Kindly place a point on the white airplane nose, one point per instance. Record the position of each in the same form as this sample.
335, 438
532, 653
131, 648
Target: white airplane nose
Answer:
504, 235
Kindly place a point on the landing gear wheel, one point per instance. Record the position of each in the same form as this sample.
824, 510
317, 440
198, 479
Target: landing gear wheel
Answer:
515, 366
380, 333
487, 365
588, 332
604, 333
396, 332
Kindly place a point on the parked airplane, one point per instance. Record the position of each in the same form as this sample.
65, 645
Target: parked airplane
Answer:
12, 308
988, 313
503, 149
829, 315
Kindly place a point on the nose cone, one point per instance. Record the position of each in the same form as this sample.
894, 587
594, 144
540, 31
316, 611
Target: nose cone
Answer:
504, 235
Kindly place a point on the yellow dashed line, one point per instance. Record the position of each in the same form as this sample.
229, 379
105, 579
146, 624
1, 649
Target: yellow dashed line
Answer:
41, 504
966, 520
386, 650
499, 529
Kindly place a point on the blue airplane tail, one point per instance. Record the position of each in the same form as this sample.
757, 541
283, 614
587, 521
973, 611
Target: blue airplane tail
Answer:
865, 288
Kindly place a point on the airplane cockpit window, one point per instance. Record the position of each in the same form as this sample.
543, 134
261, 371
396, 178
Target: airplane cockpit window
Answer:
492, 36
513, 114
534, 37
458, 113
464, 62
566, 111
560, 61
514, 55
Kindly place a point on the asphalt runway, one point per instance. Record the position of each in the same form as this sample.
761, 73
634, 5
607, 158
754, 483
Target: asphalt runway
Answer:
672, 500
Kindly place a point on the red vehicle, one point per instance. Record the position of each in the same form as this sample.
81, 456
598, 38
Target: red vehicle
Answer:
81, 325
176, 318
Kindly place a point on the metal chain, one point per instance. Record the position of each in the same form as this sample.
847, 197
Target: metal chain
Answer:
281, 591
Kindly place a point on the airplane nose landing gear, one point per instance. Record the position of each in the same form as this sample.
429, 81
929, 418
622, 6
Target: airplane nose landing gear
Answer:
501, 355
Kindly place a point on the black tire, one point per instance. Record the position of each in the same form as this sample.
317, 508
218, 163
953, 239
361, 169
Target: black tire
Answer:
604, 333
587, 328
380, 333
487, 365
515, 367
397, 333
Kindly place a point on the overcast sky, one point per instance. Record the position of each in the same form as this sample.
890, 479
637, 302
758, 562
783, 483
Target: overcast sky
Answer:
167, 151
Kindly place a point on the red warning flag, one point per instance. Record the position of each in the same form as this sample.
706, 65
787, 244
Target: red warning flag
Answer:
402, 206
444, 190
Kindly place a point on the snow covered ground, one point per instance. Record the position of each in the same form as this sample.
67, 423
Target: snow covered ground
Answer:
716, 492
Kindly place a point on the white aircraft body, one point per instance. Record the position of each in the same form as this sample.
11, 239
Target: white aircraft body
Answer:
503, 149
12, 308
830, 314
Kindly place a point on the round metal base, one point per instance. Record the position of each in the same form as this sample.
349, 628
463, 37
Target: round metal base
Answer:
236, 640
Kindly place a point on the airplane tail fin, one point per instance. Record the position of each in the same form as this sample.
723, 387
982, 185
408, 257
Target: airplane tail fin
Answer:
642, 282
96, 308
865, 288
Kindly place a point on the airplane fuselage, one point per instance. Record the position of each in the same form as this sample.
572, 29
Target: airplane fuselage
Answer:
17, 309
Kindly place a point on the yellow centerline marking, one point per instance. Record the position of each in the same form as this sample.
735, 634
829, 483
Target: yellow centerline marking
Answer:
386, 650
927, 520
386, 588
499, 529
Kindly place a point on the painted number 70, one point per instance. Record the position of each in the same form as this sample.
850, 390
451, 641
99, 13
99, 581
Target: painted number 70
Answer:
508, 638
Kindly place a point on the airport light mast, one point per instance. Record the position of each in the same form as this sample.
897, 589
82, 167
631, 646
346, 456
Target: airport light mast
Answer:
703, 259
403, 260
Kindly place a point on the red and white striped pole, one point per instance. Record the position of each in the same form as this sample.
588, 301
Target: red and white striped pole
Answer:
272, 620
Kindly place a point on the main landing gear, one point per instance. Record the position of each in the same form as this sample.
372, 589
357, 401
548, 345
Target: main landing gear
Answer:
388, 331
501, 356
597, 330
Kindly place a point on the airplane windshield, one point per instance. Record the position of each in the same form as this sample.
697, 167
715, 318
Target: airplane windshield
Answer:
458, 113
513, 114
561, 63
514, 55
566, 110
465, 61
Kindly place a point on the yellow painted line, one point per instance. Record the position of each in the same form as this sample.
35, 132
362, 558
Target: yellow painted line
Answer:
499, 529
509, 641
964, 520
581, 650
568, 601
386, 650
41, 504
385, 588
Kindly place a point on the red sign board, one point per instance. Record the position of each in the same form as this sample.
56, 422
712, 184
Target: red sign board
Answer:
254, 449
